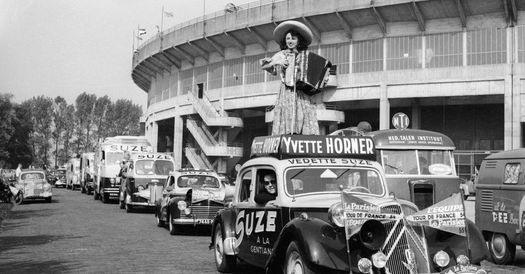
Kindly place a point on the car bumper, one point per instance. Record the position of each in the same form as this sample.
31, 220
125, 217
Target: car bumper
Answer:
192, 221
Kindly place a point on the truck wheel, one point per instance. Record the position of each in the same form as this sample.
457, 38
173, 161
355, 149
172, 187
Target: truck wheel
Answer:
95, 195
104, 198
501, 250
173, 228
294, 261
224, 263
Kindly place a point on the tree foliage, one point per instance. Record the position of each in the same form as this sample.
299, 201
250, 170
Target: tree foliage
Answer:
49, 131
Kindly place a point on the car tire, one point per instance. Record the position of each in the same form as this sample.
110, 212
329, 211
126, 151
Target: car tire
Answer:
295, 260
224, 263
19, 199
173, 228
104, 198
95, 195
160, 222
48, 199
501, 250
82, 189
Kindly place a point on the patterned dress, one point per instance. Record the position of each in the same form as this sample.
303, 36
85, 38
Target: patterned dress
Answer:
294, 112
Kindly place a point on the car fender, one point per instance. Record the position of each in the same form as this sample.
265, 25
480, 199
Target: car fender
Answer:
478, 247
226, 217
320, 242
173, 208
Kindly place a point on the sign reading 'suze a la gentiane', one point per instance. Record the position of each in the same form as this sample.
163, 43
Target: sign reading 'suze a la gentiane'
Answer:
289, 146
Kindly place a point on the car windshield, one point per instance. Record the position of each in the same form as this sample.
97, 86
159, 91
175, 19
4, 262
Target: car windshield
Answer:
418, 162
32, 176
198, 180
329, 179
152, 167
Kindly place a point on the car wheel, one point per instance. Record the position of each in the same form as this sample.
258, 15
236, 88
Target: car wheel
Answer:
95, 195
294, 261
104, 198
82, 189
501, 250
48, 199
160, 222
224, 263
19, 199
173, 228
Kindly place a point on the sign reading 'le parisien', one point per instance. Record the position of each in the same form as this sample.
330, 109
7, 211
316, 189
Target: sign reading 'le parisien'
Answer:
290, 146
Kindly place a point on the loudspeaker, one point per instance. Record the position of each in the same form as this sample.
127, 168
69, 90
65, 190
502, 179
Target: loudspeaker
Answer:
373, 234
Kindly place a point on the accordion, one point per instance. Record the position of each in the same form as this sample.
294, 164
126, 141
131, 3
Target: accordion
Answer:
313, 72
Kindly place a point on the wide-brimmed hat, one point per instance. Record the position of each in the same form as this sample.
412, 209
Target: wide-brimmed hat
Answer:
283, 28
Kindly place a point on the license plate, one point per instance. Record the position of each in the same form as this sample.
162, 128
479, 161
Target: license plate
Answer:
204, 221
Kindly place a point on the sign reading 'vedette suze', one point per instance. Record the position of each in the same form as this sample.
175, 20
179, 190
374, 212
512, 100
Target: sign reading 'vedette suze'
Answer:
287, 146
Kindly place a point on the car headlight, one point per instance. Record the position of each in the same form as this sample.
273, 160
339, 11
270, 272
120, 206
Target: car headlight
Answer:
112, 180
336, 215
441, 258
379, 259
182, 205
364, 265
463, 260
47, 187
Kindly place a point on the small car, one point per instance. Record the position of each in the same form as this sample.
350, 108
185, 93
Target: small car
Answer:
330, 211
144, 179
60, 178
191, 198
34, 185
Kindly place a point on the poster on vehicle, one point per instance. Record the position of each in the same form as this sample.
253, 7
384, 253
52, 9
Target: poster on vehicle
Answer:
357, 211
447, 215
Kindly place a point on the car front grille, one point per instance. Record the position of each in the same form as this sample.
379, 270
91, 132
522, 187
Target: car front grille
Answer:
204, 212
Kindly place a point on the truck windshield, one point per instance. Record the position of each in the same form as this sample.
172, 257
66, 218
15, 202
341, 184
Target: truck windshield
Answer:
114, 158
152, 167
329, 179
417, 162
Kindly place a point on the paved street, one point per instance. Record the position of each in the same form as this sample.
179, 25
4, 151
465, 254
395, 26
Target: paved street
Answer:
78, 234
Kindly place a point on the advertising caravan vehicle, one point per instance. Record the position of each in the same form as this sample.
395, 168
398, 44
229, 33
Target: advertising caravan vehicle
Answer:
320, 204
33, 185
500, 203
108, 156
87, 170
73, 173
419, 164
144, 179
191, 197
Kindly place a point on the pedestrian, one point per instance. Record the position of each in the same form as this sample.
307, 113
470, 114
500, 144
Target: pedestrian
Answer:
294, 111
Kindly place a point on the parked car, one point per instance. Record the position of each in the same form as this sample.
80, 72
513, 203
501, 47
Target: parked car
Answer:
191, 198
332, 213
500, 203
60, 178
34, 185
144, 179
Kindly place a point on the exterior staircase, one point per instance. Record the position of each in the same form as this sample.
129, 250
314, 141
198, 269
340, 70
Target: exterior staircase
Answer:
213, 130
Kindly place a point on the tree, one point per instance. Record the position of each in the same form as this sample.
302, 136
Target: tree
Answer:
42, 118
7, 115
123, 118
85, 105
100, 118
19, 146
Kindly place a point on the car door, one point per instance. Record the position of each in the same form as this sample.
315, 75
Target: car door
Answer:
169, 184
257, 225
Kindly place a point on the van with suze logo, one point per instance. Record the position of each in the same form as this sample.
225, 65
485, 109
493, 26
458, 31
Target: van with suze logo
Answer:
500, 203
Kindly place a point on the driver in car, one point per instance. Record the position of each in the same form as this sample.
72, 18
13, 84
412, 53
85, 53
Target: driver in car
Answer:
270, 190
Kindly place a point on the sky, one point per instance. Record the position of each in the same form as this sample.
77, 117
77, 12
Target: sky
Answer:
66, 47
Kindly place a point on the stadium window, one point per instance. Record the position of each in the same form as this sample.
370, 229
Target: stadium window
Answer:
367, 56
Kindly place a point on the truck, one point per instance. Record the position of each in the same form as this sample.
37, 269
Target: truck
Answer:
86, 172
109, 154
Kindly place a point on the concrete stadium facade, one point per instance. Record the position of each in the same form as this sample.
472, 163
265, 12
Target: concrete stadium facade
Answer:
454, 66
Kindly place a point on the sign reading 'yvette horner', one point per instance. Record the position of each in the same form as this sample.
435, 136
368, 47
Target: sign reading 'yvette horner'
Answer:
290, 146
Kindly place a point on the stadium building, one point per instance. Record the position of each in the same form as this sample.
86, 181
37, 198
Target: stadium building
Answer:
453, 66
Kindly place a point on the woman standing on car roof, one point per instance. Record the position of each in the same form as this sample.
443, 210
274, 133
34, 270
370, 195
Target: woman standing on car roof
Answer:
294, 111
